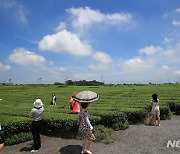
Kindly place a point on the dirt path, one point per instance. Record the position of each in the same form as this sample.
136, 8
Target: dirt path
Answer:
138, 139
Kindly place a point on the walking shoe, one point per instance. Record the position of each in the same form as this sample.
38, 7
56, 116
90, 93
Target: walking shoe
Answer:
88, 152
83, 151
34, 151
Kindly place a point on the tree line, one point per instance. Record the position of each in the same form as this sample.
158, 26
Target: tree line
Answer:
81, 83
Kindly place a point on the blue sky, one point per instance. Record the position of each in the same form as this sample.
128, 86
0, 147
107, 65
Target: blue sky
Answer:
117, 41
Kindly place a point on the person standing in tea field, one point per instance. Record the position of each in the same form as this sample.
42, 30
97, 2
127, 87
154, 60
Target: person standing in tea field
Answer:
1, 139
74, 105
155, 111
53, 99
85, 129
36, 115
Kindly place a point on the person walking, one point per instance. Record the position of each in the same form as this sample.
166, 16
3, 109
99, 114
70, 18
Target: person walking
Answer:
85, 129
155, 111
36, 115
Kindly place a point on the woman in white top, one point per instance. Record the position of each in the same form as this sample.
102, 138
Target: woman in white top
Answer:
155, 111
36, 114
53, 100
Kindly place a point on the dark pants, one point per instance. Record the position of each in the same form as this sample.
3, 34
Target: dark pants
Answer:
36, 129
1, 137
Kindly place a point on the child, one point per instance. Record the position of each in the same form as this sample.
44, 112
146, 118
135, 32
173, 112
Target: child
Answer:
85, 129
155, 109
1, 140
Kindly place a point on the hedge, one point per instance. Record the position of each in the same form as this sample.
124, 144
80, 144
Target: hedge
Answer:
165, 112
18, 138
12, 125
114, 119
135, 115
65, 125
175, 107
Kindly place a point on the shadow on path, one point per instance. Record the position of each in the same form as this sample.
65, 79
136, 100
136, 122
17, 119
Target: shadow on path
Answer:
71, 149
27, 148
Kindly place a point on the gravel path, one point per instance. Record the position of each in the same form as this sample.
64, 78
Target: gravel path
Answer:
138, 139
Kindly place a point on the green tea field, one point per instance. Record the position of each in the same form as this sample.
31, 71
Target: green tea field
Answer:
117, 107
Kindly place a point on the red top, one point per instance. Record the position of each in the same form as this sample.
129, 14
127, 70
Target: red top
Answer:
75, 106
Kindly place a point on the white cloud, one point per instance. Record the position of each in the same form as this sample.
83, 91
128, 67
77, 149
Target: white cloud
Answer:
167, 40
27, 58
137, 65
17, 9
169, 53
53, 70
24, 57
99, 66
7, 4
4, 67
176, 23
165, 68
102, 57
61, 26
102, 61
177, 10
65, 41
172, 13
84, 17
150, 50
21, 14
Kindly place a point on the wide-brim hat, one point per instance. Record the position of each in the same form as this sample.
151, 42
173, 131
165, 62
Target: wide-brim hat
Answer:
38, 103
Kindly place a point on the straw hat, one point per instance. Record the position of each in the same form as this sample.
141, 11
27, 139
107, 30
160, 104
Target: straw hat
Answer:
38, 103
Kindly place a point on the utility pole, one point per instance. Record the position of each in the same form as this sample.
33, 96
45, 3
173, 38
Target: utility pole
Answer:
101, 78
39, 80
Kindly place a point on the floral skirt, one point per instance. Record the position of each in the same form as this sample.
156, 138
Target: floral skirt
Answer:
86, 133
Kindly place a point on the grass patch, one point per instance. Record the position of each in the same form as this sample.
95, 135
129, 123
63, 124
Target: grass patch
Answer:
103, 134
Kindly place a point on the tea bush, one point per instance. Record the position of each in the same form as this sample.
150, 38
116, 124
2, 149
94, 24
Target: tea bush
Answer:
175, 107
135, 115
18, 138
117, 107
165, 112
113, 119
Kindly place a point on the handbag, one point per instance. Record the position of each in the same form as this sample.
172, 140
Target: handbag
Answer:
151, 121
